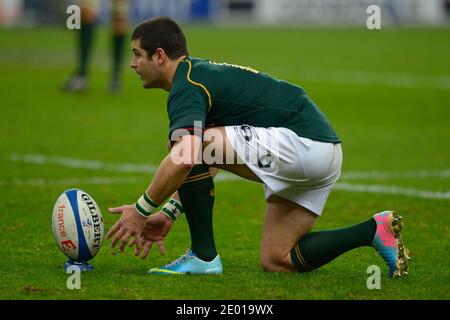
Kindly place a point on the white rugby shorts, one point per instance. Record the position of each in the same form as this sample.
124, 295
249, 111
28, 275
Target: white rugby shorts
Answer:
296, 168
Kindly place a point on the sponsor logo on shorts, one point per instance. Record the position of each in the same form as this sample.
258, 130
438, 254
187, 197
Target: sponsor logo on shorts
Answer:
265, 161
246, 132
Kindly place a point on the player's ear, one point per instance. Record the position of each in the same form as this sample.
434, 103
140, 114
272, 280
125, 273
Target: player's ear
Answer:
160, 55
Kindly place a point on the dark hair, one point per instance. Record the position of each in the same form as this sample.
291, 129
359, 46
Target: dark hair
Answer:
161, 32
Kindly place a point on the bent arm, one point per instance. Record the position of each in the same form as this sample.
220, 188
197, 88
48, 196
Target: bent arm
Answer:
175, 168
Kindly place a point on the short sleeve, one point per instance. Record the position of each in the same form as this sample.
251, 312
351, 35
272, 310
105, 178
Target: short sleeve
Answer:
187, 110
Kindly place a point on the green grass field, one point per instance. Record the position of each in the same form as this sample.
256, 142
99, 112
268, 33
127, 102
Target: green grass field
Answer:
386, 92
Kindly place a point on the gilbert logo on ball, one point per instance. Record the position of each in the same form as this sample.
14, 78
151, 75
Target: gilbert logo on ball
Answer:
77, 225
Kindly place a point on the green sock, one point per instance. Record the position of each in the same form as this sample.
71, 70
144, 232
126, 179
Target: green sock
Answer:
197, 198
318, 248
118, 42
84, 46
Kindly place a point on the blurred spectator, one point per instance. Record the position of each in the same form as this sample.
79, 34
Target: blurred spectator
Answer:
119, 24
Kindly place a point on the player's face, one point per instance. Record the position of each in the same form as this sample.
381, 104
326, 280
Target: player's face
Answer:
146, 67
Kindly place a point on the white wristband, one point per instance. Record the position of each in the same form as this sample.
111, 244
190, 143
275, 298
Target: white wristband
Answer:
173, 209
145, 206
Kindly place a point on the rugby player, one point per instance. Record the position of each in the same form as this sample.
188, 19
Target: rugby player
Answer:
231, 117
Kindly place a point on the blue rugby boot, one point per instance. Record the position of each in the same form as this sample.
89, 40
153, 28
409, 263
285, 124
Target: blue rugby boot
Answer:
190, 264
389, 244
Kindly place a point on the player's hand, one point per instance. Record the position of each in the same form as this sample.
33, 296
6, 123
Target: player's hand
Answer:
155, 230
129, 225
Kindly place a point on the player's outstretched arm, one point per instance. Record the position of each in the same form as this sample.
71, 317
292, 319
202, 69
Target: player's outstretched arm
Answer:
168, 178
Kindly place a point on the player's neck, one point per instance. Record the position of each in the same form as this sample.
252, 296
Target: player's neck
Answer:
170, 72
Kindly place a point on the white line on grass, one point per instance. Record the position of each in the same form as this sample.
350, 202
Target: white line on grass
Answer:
392, 190
41, 182
143, 168
223, 176
70, 181
383, 175
82, 164
97, 165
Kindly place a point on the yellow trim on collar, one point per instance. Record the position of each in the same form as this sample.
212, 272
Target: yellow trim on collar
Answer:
198, 84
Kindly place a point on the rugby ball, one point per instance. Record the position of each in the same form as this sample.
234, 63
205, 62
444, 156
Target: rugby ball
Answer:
77, 225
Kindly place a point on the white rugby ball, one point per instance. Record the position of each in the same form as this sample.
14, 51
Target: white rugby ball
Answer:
77, 225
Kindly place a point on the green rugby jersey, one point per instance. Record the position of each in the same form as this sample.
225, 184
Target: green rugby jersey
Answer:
220, 94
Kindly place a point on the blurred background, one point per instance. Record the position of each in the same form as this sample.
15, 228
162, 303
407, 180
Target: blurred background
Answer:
314, 12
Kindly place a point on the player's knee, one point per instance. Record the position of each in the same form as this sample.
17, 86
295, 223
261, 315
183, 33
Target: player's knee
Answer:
275, 263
